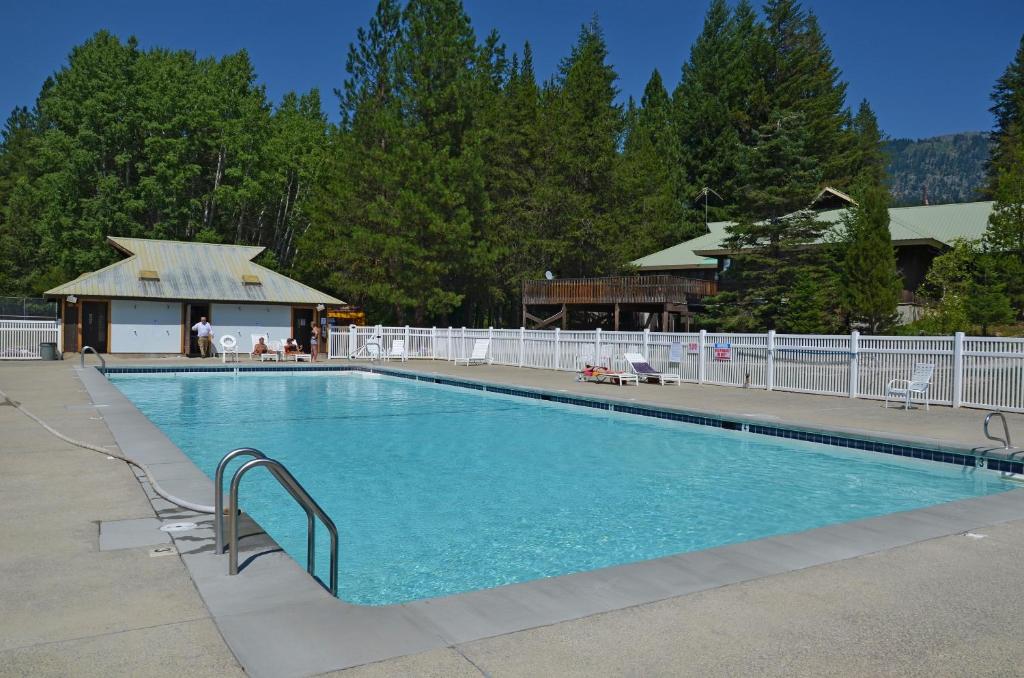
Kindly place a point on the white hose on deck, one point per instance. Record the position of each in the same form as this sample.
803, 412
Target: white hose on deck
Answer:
183, 503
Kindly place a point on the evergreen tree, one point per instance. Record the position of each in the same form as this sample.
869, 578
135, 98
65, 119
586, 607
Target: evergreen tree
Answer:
870, 282
582, 125
1008, 109
1004, 237
649, 176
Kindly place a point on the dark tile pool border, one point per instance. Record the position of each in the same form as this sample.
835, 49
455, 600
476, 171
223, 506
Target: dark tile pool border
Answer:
979, 458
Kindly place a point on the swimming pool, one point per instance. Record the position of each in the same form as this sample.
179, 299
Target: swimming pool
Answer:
438, 490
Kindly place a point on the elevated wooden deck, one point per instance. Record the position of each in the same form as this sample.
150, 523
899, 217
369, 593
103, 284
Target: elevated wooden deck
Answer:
655, 294
634, 289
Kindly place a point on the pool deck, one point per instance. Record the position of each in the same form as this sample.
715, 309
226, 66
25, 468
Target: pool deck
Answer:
898, 595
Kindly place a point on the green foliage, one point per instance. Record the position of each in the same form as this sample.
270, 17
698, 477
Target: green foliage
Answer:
870, 282
951, 167
154, 144
1008, 109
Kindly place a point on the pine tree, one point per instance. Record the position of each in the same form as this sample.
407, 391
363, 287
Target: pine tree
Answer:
648, 176
1008, 109
1004, 237
870, 282
582, 125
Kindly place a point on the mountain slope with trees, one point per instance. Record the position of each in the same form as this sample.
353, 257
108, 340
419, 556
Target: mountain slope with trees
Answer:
952, 167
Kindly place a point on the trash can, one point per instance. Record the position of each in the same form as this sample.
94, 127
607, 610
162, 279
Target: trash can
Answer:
48, 350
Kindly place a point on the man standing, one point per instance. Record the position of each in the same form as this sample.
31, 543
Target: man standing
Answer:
205, 332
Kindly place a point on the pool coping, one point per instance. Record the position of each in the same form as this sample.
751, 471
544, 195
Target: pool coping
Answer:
278, 621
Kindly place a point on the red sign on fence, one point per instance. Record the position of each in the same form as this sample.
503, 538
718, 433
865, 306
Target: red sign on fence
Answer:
723, 352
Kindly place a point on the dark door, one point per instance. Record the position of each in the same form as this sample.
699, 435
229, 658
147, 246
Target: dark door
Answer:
302, 326
195, 313
94, 325
70, 328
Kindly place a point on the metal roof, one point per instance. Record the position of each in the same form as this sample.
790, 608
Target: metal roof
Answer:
937, 225
190, 270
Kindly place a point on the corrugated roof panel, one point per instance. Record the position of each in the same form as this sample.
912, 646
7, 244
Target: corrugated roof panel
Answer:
943, 223
190, 270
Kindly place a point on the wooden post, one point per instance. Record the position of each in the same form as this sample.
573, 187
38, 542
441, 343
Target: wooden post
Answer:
524, 315
616, 317
664, 319
565, 317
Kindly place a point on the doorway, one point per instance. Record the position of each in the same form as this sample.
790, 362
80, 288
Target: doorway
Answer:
302, 326
193, 313
94, 325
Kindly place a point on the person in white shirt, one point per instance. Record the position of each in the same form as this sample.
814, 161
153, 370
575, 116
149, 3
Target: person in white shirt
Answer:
205, 332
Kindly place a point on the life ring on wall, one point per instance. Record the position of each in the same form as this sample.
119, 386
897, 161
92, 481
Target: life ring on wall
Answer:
228, 342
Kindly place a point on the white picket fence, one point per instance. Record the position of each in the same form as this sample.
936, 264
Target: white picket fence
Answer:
983, 372
20, 339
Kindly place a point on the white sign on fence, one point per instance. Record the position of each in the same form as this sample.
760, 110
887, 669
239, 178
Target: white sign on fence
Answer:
675, 352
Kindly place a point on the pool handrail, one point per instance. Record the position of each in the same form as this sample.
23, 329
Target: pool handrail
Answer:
218, 490
299, 493
81, 358
1007, 444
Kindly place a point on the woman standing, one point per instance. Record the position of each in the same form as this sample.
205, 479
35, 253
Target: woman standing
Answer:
314, 343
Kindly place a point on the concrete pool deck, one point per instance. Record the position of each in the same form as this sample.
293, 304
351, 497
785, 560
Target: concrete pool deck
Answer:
836, 618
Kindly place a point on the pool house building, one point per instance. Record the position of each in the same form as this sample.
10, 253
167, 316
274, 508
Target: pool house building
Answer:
148, 302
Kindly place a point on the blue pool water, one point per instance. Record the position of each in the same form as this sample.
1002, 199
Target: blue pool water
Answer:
439, 490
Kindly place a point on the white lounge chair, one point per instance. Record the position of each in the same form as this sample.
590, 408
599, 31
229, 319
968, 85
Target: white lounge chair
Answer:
643, 370
919, 383
481, 349
228, 346
397, 351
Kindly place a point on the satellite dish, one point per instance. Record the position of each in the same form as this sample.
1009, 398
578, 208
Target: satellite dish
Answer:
549, 275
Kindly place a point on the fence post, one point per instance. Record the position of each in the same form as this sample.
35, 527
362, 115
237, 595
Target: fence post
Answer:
351, 340
854, 363
463, 350
450, 354
408, 347
522, 345
558, 352
702, 339
769, 377
647, 341
958, 369
433, 342
597, 346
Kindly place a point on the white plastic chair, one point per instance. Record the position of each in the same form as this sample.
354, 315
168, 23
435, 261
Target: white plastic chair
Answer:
481, 349
918, 384
228, 346
274, 353
397, 351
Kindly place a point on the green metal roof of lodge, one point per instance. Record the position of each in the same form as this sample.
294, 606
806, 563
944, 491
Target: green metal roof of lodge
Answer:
168, 269
937, 225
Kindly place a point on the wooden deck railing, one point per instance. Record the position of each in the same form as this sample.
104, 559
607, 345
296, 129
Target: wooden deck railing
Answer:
653, 289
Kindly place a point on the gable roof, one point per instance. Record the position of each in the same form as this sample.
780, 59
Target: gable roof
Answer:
190, 270
935, 225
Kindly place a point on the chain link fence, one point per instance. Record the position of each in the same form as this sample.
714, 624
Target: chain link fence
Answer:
27, 308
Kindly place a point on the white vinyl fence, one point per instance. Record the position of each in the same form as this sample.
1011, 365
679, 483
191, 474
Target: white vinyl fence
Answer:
20, 339
981, 372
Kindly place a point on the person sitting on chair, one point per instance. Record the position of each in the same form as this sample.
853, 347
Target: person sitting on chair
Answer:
292, 346
260, 348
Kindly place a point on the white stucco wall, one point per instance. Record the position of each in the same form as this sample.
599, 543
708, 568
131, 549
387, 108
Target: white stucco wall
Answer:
244, 320
145, 326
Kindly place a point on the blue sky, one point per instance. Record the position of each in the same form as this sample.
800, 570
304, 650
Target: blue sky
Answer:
926, 66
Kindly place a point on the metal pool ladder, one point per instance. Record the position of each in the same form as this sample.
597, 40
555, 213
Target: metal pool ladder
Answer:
81, 358
1006, 430
293, 487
